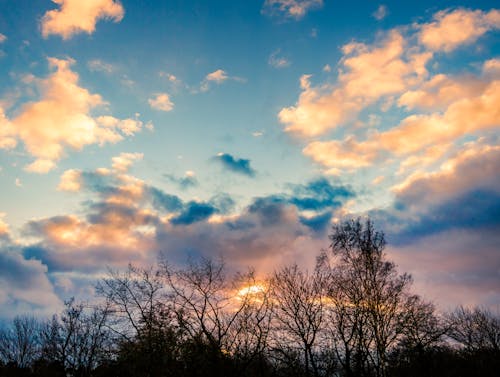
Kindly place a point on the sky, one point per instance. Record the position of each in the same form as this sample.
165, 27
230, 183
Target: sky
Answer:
245, 130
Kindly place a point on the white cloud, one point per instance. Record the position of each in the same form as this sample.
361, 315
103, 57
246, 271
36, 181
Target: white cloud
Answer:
100, 66
161, 101
71, 180
124, 161
3, 38
219, 76
76, 16
380, 13
290, 9
40, 166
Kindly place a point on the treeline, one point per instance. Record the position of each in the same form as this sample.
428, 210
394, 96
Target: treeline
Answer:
353, 315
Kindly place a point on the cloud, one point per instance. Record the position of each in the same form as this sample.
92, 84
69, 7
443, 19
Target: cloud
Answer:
381, 12
185, 182
3, 38
4, 227
71, 180
453, 28
277, 61
458, 106
100, 66
75, 16
218, 77
367, 73
40, 166
25, 286
290, 9
474, 168
236, 165
62, 118
194, 212
161, 101
454, 267
319, 194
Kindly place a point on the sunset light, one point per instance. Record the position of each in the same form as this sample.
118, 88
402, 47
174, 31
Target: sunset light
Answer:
175, 147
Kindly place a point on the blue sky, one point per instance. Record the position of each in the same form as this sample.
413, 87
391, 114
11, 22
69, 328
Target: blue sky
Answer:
246, 129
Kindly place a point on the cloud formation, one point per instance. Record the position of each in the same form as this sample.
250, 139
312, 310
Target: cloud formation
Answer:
390, 76
25, 286
75, 16
62, 118
290, 9
161, 101
451, 29
236, 165
367, 73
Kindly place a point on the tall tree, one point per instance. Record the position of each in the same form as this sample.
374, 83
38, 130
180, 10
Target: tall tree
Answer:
370, 297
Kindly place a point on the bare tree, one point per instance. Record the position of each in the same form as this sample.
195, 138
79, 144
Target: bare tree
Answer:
475, 329
298, 312
423, 328
370, 296
139, 316
20, 343
78, 339
248, 337
204, 301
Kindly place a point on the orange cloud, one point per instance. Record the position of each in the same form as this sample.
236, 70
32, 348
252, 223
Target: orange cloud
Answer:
459, 27
4, 227
367, 73
415, 134
62, 118
76, 16
476, 166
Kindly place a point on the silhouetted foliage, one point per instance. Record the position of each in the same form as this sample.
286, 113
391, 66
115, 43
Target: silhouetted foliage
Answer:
353, 315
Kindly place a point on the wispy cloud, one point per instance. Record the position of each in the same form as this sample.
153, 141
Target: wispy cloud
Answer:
184, 182
277, 61
75, 16
290, 9
381, 12
100, 66
237, 165
217, 77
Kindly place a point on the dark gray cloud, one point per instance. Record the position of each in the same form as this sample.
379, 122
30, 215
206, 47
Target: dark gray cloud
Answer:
194, 212
236, 165
319, 194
